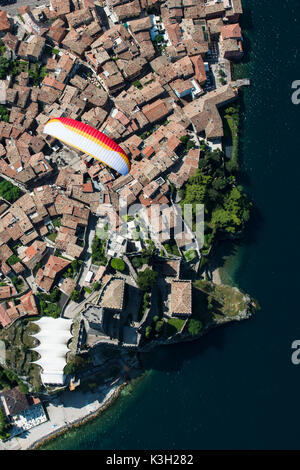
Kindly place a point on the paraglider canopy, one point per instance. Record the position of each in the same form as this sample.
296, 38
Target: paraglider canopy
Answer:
89, 140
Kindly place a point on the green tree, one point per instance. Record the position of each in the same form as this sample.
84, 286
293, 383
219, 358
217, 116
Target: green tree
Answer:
138, 84
190, 145
70, 368
219, 184
55, 295
13, 259
8, 191
146, 279
75, 296
234, 213
158, 39
210, 300
52, 310
4, 425
184, 139
117, 264
4, 67
159, 326
136, 262
148, 331
23, 388
98, 251
194, 326
4, 114
232, 167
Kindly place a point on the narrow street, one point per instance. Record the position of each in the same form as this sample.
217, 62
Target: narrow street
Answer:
11, 6
73, 309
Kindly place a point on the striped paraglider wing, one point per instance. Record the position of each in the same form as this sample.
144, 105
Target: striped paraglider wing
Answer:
89, 140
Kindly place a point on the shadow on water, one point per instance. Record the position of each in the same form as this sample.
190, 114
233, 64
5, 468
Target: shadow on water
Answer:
222, 249
254, 227
246, 24
246, 19
243, 177
172, 357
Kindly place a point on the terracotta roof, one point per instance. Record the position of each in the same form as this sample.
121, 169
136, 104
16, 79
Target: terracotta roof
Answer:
53, 83
18, 267
99, 273
4, 23
156, 110
87, 187
174, 33
54, 266
169, 267
66, 63
141, 24
14, 401
4, 317
61, 8
43, 281
28, 304
181, 297
6, 292
231, 31
200, 72
148, 151
68, 285
30, 252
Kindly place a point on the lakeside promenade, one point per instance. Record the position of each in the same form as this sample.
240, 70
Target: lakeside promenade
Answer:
64, 412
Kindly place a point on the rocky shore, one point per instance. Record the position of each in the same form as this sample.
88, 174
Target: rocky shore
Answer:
244, 314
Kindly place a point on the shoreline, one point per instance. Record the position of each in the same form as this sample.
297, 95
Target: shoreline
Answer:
216, 277
80, 421
112, 392
44, 433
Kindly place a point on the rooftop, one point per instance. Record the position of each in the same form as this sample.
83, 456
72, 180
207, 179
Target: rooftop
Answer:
113, 295
181, 297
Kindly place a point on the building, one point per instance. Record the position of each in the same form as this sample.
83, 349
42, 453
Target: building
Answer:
22, 306
34, 254
54, 336
68, 286
203, 112
23, 412
181, 298
157, 110
113, 295
46, 276
3, 92
94, 320
4, 23
35, 47
182, 88
231, 41
60, 9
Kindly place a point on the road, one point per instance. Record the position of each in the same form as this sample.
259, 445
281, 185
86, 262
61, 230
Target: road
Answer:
73, 309
12, 8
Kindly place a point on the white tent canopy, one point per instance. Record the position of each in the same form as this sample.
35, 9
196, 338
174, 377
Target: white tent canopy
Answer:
53, 336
